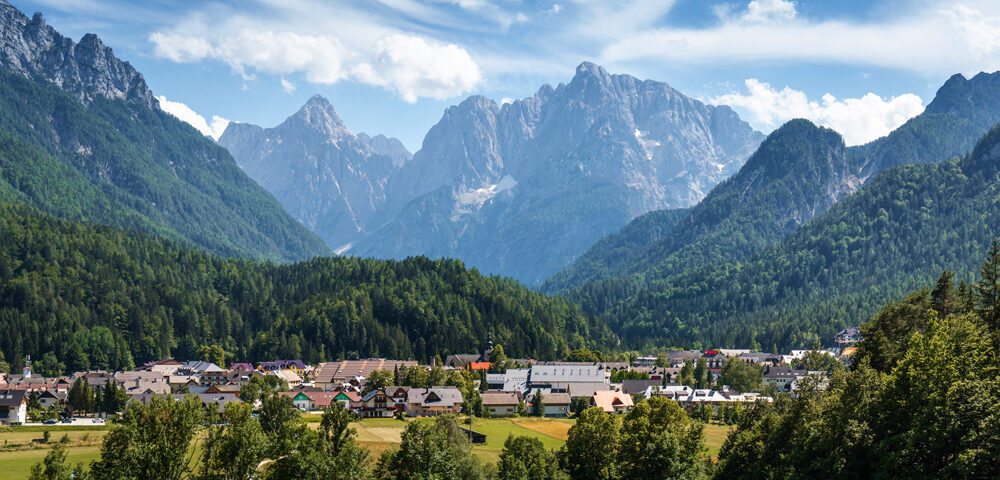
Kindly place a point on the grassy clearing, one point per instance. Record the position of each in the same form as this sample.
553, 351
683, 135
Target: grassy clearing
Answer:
715, 435
17, 465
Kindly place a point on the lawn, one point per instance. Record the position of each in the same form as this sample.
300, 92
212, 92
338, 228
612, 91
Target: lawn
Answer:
380, 434
17, 465
715, 435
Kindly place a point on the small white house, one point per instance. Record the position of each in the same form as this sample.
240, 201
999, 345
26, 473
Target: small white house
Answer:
13, 407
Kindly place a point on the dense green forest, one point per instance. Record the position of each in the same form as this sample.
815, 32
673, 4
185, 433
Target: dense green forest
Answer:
921, 401
133, 167
98, 297
892, 236
796, 174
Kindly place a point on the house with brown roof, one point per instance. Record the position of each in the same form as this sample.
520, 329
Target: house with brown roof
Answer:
376, 404
329, 375
433, 401
502, 403
611, 401
556, 404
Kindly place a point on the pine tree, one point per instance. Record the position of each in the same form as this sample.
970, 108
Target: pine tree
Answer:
987, 290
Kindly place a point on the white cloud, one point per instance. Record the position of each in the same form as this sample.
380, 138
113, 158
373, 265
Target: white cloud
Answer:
417, 68
185, 113
859, 120
924, 37
769, 11
287, 86
282, 42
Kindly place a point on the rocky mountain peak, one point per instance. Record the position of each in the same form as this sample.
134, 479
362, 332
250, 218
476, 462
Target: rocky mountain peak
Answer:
86, 70
318, 115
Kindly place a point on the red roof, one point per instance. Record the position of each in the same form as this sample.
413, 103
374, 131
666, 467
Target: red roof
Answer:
479, 366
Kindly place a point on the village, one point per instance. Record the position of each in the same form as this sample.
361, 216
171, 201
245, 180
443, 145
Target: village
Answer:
384, 388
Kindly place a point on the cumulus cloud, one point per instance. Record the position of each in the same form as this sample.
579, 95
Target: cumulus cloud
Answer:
927, 37
212, 129
412, 65
859, 120
417, 68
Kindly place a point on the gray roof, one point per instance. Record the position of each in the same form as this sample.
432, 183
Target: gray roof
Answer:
586, 389
11, 398
632, 387
500, 398
435, 396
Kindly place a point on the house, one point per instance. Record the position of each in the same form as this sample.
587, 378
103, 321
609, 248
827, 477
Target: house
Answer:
296, 366
680, 357
704, 396
289, 376
349, 398
208, 373
714, 360
611, 401
633, 387
645, 361
782, 377
461, 361
240, 374
584, 390
241, 365
166, 366
212, 400
501, 404
51, 398
479, 366
376, 404
558, 376
433, 401
760, 358
673, 392
228, 388
398, 395
556, 405
847, 337
13, 407
329, 375
311, 401
514, 379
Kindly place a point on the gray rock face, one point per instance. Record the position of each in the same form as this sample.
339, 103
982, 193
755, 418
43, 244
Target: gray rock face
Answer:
523, 188
86, 70
518, 189
325, 176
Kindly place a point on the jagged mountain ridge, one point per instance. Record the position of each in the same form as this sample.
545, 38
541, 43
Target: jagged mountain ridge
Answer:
521, 189
86, 70
799, 171
83, 138
951, 124
326, 176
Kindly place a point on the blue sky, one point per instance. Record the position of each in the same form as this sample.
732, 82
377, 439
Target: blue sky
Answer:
393, 66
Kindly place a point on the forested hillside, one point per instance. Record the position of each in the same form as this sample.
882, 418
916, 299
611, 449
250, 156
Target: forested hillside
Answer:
98, 297
83, 138
892, 236
797, 173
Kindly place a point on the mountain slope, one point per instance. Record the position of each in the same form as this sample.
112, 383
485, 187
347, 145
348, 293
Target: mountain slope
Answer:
119, 159
143, 298
523, 188
330, 179
798, 171
897, 233
959, 114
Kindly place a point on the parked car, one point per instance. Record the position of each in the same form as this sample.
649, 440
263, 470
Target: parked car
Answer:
67, 420
50, 421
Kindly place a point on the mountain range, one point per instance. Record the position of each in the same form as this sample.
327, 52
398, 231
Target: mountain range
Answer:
518, 189
799, 172
82, 137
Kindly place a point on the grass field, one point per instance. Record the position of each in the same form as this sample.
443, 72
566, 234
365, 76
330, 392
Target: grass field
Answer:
715, 436
376, 434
